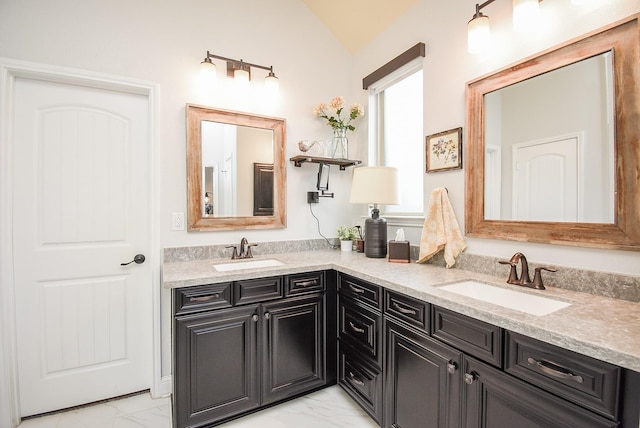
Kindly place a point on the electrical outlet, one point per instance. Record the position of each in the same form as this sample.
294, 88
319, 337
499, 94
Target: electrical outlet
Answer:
313, 198
177, 221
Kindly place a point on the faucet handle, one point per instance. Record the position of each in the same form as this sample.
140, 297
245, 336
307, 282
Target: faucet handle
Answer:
235, 251
248, 255
513, 273
537, 277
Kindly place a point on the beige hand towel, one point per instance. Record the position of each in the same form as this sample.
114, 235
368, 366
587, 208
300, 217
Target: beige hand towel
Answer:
440, 230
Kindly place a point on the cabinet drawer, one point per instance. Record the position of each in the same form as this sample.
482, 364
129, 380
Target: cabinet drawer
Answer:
362, 381
493, 399
477, 338
360, 290
360, 327
257, 290
408, 309
586, 381
202, 297
304, 283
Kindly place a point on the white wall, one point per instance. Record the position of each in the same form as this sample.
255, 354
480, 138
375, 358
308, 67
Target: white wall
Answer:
164, 41
447, 68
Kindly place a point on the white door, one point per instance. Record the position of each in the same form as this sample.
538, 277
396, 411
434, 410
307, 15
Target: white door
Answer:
546, 181
81, 208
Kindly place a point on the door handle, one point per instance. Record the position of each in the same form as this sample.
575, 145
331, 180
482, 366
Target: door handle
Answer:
138, 259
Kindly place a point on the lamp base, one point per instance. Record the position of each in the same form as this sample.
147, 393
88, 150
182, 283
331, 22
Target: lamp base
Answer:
375, 237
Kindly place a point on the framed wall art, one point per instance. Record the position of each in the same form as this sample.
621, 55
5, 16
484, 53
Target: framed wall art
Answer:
444, 150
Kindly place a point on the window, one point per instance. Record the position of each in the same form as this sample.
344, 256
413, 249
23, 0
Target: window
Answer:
396, 134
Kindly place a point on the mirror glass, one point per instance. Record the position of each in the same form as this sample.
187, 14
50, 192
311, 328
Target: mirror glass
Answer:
549, 152
236, 162
235, 170
552, 150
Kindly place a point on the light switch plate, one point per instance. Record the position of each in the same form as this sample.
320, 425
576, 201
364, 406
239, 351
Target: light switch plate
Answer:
177, 221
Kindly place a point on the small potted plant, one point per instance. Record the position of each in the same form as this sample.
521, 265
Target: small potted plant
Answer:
347, 234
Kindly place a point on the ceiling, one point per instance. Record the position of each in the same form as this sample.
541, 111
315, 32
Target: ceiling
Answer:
357, 22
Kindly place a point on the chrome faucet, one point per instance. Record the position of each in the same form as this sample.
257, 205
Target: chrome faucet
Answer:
525, 279
244, 252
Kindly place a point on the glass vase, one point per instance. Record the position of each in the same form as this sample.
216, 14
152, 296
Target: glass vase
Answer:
340, 144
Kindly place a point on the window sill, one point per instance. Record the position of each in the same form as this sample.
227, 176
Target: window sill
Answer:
403, 220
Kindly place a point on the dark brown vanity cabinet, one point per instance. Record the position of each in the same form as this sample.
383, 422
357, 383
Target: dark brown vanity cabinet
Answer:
422, 379
360, 343
268, 342
493, 399
215, 365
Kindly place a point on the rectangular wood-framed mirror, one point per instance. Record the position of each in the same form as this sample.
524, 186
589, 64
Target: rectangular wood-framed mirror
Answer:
622, 230
223, 148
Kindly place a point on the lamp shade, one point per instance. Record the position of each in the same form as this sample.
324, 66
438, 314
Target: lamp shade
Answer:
375, 185
478, 34
526, 15
208, 69
272, 84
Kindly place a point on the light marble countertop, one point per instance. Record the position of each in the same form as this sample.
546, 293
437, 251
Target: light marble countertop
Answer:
603, 328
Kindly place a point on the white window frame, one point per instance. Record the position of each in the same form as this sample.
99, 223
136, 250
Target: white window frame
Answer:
375, 145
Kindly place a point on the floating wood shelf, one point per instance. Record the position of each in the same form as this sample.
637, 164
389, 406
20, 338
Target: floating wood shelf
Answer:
342, 163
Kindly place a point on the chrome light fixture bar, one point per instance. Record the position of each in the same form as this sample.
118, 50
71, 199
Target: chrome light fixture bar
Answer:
237, 69
525, 18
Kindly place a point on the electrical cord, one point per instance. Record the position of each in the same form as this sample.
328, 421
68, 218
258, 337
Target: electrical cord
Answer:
333, 246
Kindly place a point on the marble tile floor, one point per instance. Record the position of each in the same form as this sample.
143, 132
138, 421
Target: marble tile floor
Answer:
328, 408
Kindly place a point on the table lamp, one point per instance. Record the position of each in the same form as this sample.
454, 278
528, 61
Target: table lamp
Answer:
375, 185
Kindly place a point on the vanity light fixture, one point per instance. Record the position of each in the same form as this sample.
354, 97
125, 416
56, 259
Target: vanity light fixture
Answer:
237, 69
525, 18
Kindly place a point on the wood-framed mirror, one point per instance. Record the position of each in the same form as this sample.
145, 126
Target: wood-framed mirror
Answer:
521, 196
225, 151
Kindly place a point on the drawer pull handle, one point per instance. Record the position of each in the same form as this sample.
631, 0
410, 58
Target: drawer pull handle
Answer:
356, 289
404, 310
267, 315
555, 371
469, 378
254, 317
204, 298
355, 380
307, 283
355, 328
451, 367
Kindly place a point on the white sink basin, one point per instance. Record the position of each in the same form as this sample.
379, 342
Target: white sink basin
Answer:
523, 302
246, 264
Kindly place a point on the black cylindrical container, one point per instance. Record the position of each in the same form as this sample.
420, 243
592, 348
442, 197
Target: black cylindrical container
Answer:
375, 237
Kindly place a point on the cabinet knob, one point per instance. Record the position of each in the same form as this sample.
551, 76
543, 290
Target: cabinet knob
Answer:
254, 318
451, 367
267, 315
469, 378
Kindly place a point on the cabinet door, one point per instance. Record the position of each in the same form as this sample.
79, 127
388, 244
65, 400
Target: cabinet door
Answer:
422, 380
294, 347
216, 365
493, 399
